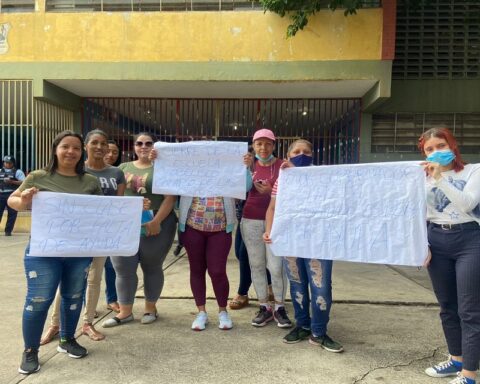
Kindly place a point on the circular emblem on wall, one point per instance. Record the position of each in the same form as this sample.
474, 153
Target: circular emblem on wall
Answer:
4, 28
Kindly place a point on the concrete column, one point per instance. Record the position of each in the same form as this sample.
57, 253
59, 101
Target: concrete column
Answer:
77, 122
389, 8
366, 138
40, 5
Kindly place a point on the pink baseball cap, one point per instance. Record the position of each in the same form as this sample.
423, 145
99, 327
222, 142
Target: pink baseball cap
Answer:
264, 133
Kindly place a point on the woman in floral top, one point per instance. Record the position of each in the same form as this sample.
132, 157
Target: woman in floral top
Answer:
206, 224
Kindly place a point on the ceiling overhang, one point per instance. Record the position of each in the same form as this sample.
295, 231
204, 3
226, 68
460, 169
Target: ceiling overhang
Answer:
328, 89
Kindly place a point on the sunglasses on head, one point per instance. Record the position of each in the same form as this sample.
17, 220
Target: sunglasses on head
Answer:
144, 144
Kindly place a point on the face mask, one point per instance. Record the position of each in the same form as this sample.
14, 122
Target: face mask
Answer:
301, 160
442, 157
264, 160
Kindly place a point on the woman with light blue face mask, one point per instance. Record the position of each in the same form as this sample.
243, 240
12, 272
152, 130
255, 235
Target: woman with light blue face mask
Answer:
453, 214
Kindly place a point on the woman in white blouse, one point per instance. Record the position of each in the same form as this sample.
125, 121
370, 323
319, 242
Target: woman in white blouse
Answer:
453, 214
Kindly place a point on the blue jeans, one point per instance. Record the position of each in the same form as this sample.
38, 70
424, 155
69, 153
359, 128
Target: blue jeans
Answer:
316, 274
110, 276
44, 274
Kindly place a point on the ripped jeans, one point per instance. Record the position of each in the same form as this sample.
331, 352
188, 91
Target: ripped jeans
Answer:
316, 274
44, 274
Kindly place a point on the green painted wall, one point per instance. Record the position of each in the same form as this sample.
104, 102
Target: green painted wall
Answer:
200, 71
434, 96
49, 92
41, 72
365, 137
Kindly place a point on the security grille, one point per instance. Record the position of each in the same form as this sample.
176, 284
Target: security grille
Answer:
149, 5
332, 125
49, 121
16, 121
168, 5
438, 41
399, 132
28, 126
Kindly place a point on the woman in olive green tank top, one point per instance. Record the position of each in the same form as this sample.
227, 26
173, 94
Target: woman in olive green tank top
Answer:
64, 173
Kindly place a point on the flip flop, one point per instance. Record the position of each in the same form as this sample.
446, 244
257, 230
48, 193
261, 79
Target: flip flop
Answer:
238, 302
90, 331
52, 331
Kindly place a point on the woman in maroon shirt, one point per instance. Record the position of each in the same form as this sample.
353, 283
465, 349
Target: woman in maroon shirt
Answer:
265, 174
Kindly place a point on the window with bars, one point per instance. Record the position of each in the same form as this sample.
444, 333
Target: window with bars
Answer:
17, 136
399, 132
149, 5
17, 5
438, 41
28, 126
167, 5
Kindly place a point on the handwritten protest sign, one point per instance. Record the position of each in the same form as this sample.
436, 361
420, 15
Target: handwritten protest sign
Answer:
200, 168
370, 213
69, 225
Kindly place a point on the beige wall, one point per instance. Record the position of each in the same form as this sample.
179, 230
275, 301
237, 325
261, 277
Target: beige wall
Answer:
247, 36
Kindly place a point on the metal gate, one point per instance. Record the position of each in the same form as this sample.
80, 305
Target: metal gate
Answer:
27, 125
332, 125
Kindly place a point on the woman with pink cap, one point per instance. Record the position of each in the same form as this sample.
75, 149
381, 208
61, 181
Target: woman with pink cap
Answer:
265, 173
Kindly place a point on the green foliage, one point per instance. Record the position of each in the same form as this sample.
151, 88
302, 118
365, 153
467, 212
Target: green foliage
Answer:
299, 11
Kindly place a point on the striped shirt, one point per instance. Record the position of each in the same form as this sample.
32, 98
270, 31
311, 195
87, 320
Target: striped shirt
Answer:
274, 189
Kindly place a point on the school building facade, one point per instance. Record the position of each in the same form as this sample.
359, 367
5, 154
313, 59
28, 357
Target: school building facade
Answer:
362, 88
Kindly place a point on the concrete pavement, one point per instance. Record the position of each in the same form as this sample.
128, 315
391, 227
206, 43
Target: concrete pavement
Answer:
385, 317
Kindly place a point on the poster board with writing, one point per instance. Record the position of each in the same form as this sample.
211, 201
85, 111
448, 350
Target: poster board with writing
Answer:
200, 168
369, 213
71, 225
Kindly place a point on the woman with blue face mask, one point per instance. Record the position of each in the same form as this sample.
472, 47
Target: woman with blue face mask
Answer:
310, 279
453, 214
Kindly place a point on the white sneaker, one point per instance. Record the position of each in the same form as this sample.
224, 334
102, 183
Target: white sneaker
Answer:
200, 321
224, 320
460, 379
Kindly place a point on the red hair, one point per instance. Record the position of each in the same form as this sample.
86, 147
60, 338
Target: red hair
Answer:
447, 135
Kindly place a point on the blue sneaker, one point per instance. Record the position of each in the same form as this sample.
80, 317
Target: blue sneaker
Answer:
462, 380
444, 369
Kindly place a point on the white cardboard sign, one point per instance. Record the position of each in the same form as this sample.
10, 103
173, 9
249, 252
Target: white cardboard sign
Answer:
369, 213
200, 168
71, 225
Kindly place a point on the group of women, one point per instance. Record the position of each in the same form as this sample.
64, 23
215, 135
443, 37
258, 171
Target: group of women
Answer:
206, 224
